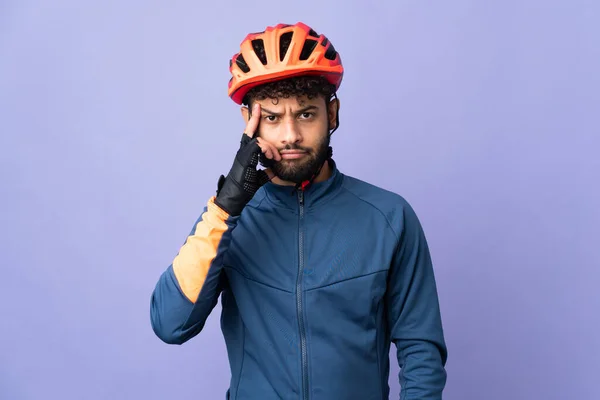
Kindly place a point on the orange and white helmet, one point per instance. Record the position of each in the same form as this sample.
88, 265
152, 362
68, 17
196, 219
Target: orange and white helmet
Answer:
280, 52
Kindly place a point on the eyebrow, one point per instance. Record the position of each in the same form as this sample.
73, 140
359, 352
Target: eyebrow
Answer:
300, 111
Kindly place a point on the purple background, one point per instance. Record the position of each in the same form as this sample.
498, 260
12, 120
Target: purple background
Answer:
115, 126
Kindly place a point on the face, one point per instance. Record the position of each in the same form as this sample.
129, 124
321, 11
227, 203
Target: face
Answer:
299, 128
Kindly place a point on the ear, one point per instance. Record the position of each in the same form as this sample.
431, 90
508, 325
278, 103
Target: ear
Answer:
332, 111
245, 113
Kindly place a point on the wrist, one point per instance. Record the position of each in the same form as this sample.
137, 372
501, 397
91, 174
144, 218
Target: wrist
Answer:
231, 197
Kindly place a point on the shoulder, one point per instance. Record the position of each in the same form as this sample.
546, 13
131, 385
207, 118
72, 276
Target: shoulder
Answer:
377, 196
393, 206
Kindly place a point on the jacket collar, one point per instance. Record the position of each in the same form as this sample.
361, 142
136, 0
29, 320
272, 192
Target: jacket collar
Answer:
314, 194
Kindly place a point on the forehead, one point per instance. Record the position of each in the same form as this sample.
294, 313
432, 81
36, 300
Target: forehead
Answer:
292, 102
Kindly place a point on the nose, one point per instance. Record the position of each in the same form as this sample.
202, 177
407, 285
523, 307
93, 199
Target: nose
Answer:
291, 132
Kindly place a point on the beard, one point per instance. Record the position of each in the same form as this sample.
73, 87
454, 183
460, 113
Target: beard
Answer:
298, 171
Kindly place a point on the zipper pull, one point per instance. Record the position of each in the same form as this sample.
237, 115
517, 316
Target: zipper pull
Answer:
301, 197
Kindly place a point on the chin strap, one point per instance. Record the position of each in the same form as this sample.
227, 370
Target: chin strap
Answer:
304, 184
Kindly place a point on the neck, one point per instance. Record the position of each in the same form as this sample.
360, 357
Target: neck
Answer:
324, 174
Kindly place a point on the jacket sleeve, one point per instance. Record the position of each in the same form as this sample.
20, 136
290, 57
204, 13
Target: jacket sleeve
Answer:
188, 290
413, 314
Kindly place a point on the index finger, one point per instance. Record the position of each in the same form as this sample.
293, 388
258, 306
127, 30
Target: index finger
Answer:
252, 125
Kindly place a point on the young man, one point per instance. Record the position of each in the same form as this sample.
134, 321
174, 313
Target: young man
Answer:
318, 272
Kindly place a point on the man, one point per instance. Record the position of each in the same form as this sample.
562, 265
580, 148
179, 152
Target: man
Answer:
318, 272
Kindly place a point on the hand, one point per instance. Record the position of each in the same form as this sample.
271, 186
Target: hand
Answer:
243, 180
269, 151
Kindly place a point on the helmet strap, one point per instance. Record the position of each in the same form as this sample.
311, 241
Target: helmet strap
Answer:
303, 185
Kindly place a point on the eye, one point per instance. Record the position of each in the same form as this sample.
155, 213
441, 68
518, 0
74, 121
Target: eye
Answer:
306, 115
270, 118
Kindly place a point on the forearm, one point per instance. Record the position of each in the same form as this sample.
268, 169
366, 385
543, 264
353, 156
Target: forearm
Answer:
202, 250
189, 289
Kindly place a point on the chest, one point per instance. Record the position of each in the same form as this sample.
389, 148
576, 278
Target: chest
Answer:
315, 248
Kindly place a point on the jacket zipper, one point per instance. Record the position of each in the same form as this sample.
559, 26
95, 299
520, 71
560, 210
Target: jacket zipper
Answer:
299, 297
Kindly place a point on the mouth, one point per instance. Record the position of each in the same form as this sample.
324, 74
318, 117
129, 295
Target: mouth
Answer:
292, 154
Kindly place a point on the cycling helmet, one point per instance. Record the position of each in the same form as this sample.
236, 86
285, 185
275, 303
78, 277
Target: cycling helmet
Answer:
280, 52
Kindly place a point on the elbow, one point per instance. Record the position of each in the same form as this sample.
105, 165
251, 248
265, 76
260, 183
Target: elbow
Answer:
168, 336
168, 330
174, 319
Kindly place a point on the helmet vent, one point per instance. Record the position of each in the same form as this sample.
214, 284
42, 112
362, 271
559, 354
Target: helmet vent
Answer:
313, 33
284, 43
239, 60
307, 49
259, 48
330, 54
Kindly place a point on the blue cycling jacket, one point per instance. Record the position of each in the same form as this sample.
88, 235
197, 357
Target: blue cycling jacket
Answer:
314, 285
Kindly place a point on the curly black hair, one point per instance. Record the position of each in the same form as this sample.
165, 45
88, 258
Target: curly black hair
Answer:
300, 86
